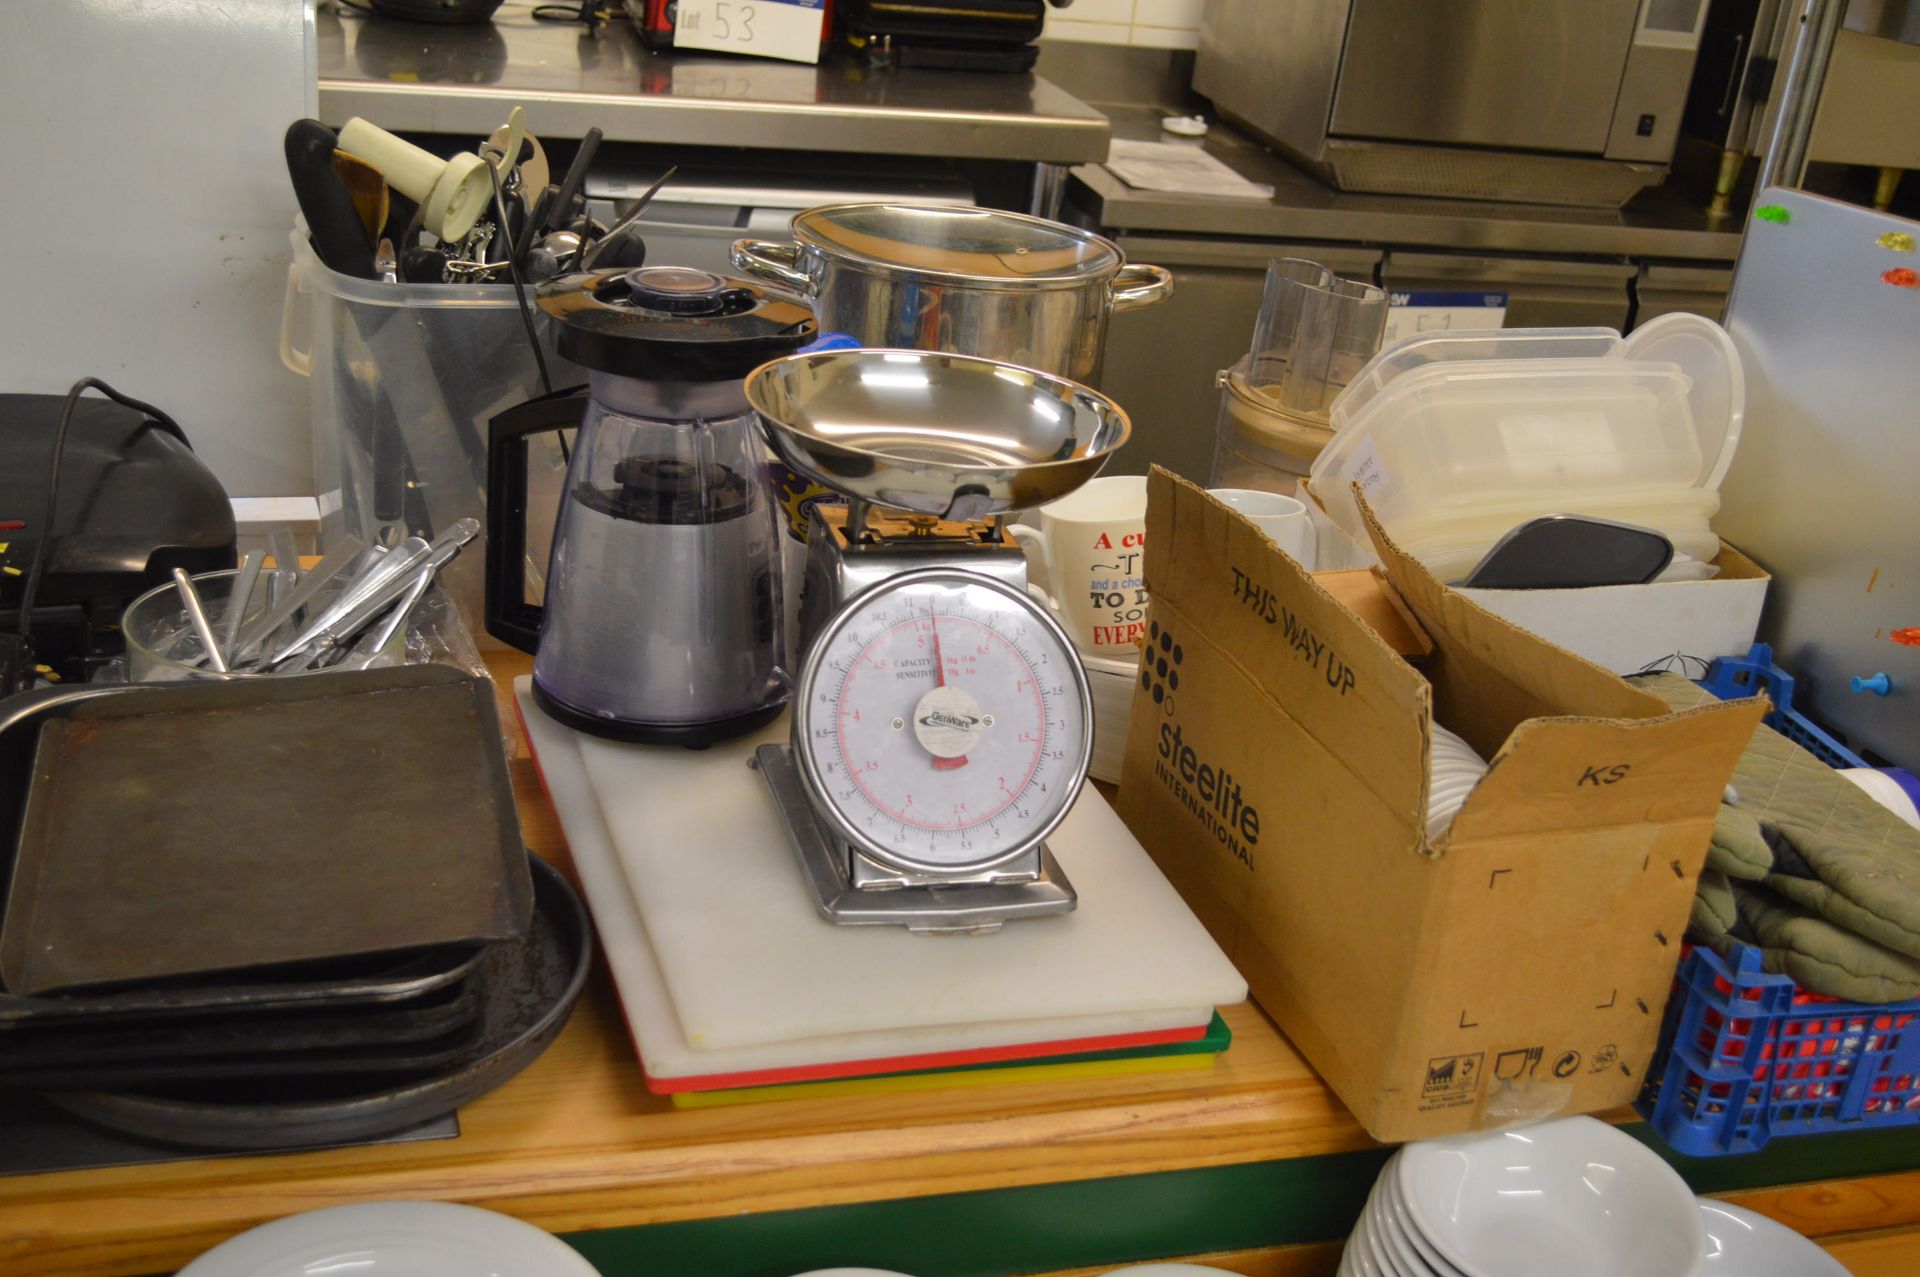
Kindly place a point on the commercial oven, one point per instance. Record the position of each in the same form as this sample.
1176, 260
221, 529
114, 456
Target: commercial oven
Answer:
1548, 101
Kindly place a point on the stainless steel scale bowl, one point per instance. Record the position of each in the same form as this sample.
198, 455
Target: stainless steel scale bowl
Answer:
942, 720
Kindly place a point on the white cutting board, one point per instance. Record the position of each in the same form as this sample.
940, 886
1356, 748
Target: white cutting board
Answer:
748, 961
643, 994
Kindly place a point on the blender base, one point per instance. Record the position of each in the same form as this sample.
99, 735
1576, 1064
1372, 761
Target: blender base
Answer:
687, 735
827, 864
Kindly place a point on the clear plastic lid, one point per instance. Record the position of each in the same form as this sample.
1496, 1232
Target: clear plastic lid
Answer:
1457, 345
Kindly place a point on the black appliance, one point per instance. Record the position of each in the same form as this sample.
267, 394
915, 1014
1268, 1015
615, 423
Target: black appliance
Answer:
970, 35
134, 503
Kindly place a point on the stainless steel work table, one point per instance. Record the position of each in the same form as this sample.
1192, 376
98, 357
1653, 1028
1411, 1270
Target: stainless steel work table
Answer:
1658, 223
463, 80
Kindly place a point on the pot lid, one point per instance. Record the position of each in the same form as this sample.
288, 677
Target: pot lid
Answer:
672, 323
975, 244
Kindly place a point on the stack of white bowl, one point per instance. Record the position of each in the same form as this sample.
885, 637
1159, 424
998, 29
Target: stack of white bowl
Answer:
1569, 1198
1112, 682
1455, 770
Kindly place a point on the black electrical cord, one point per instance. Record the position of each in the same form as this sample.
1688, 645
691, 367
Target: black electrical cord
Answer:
513, 273
43, 545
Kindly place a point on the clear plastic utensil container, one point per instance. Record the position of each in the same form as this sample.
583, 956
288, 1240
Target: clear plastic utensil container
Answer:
403, 381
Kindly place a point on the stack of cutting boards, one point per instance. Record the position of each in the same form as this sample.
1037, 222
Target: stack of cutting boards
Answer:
735, 988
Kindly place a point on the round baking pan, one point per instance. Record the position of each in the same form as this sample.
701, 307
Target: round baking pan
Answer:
531, 986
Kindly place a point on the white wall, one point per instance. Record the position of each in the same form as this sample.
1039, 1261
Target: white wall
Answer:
146, 214
1160, 24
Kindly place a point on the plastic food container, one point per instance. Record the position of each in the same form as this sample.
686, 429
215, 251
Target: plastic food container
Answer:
1458, 437
403, 381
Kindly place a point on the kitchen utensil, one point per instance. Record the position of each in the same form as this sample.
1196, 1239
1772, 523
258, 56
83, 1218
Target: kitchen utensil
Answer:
943, 439
1744, 1243
662, 616
1573, 1196
333, 223
536, 221
366, 188
197, 616
1570, 551
551, 254
393, 1239
420, 265
566, 201
391, 567
268, 873
614, 233
532, 983
1284, 520
1084, 555
725, 975
971, 280
237, 601
453, 193
307, 586
386, 264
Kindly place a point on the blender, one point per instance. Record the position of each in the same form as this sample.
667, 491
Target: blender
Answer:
662, 617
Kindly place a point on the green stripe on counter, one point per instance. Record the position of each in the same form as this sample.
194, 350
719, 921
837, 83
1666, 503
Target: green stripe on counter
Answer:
1127, 1219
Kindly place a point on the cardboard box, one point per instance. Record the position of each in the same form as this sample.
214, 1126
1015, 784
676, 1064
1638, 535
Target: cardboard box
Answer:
1623, 628
1276, 769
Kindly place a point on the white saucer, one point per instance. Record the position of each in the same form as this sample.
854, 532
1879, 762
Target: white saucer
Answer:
393, 1239
1743, 1244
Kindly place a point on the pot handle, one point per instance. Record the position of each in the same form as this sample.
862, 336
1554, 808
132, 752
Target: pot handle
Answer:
1137, 284
772, 263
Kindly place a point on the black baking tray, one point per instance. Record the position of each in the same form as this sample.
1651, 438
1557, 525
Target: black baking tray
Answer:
291, 820
532, 985
372, 983
304, 1066
377, 980
81, 1046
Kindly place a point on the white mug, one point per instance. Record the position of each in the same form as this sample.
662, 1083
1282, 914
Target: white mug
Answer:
1085, 556
1282, 518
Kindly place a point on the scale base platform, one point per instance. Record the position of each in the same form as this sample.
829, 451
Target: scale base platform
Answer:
828, 865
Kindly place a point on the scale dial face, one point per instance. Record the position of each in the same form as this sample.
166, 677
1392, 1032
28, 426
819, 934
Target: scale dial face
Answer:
942, 722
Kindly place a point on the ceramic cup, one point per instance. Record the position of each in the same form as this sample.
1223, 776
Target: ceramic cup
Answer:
1084, 561
1283, 519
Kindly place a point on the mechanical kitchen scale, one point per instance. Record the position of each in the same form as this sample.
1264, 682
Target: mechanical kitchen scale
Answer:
941, 719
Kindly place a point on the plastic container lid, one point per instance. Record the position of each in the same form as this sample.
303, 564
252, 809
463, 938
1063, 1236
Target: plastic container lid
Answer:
1456, 345
1705, 352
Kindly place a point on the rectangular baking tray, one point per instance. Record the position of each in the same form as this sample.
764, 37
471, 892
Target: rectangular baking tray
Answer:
205, 829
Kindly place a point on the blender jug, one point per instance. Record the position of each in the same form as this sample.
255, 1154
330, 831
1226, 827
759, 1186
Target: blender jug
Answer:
662, 619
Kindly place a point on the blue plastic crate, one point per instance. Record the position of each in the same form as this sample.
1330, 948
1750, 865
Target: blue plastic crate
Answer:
1746, 1056
1732, 677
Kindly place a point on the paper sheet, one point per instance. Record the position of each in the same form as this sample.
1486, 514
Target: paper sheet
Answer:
1179, 167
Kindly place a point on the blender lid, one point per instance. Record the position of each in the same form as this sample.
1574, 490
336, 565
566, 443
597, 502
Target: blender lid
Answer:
978, 245
673, 323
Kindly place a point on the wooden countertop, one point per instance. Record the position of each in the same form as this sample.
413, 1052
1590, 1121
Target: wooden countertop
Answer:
577, 1144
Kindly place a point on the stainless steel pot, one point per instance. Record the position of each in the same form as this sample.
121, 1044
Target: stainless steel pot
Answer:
971, 281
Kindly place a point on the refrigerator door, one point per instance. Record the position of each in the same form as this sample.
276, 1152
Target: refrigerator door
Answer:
1826, 315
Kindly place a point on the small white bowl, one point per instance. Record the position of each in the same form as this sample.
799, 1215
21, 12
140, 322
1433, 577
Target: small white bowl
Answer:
1743, 1244
393, 1239
1571, 1198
